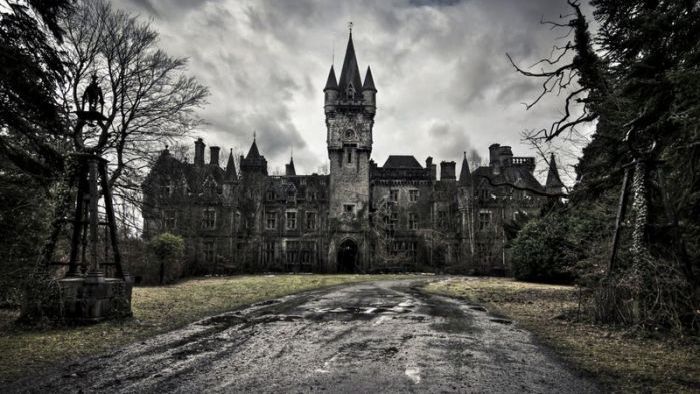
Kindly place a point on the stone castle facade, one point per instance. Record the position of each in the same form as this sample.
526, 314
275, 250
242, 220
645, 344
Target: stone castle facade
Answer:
359, 218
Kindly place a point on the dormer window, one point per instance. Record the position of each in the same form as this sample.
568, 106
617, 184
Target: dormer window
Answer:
350, 92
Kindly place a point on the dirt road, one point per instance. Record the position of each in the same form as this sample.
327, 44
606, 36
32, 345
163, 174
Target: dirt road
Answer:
372, 337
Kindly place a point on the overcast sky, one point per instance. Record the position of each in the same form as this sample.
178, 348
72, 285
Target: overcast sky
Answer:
444, 82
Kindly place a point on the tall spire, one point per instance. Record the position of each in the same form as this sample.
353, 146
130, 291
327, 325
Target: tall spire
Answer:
465, 176
554, 183
230, 174
289, 169
350, 73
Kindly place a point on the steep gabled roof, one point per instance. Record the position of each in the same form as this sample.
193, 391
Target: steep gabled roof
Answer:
350, 72
331, 83
398, 161
369, 81
465, 176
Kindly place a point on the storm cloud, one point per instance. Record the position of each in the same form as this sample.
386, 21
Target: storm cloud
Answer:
445, 85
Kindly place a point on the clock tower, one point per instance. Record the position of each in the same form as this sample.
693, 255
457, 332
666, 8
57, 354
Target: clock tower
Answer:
350, 107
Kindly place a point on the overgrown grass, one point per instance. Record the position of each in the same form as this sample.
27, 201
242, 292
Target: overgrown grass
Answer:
156, 310
620, 359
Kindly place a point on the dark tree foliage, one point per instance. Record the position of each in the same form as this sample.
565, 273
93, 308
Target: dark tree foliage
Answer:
31, 129
642, 86
32, 135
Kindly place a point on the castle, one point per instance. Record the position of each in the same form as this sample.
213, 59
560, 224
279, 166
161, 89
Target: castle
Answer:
359, 218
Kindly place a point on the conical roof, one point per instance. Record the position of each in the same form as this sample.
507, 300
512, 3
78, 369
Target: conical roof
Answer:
369, 81
253, 152
465, 176
553, 180
350, 73
331, 83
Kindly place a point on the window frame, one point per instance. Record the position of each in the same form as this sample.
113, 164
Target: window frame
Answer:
290, 220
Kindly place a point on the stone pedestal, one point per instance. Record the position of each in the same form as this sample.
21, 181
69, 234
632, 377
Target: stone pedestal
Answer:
93, 298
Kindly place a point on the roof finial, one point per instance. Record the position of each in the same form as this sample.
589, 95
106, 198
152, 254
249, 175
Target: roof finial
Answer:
253, 135
350, 27
291, 154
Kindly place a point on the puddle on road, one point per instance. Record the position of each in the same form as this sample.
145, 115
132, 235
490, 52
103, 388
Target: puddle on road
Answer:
356, 313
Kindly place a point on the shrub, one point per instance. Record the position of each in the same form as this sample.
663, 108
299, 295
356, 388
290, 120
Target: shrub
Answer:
540, 251
168, 252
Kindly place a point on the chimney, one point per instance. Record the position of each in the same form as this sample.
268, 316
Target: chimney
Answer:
199, 152
447, 171
494, 157
214, 155
432, 167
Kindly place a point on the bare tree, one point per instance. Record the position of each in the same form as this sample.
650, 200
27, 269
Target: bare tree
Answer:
562, 71
148, 99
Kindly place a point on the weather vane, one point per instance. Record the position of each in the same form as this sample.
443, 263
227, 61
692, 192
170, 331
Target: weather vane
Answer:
350, 26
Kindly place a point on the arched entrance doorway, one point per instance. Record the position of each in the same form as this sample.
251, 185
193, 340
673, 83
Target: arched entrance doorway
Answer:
347, 257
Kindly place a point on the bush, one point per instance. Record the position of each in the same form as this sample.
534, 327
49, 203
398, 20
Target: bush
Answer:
541, 251
168, 252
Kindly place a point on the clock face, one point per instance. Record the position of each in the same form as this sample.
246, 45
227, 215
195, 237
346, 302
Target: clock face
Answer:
349, 135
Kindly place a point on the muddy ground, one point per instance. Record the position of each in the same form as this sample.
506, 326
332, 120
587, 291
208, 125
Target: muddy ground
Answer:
373, 337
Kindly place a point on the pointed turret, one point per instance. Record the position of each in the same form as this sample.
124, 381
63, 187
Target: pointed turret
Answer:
369, 92
289, 169
369, 81
554, 183
465, 176
253, 152
330, 92
350, 82
254, 162
230, 175
331, 83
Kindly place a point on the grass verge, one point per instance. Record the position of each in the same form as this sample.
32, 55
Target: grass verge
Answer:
623, 361
156, 310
